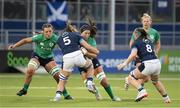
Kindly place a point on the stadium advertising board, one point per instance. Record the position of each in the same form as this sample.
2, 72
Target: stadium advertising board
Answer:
170, 61
11, 61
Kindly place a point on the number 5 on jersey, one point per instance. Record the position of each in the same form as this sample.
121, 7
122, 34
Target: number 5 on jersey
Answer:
66, 40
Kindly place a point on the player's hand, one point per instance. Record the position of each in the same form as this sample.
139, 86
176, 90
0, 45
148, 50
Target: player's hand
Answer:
84, 51
11, 47
120, 66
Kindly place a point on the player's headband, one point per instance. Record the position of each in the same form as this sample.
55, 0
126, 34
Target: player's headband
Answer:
85, 27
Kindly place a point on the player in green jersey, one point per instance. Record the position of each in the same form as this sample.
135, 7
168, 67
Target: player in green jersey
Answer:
42, 55
152, 33
88, 32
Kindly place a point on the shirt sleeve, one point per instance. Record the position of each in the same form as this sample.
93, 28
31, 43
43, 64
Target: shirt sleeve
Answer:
36, 38
157, 37
134, 46
132, 36
56, 37
79, 38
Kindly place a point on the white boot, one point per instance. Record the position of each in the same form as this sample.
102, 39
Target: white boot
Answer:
142, 94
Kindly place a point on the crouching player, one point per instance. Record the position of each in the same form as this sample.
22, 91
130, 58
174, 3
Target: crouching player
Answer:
150, 66
69, 43
42, 55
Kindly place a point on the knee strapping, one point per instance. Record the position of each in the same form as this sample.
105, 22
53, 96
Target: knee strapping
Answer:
34, 64
54, 70
100, 76
62, 77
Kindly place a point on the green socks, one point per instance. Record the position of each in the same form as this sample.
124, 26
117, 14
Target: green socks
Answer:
109, 91
26, 86
65, 93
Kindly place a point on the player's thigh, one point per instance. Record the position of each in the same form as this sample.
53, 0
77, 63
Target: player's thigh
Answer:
80, 61
68, 64
154, 78
137, 73
98, 70
50, 65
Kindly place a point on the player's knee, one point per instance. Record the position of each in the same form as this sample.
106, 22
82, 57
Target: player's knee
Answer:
33, 65
154, 82
145, 80
63, 77
100, 76
132, 76
54, 70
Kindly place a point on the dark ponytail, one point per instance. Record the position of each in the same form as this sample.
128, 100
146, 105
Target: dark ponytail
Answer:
70, 27
91, 22
142, 34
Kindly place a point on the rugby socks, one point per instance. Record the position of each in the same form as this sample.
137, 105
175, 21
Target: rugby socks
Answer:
25, 87
164, 95
140, 88
65, 93
109, 91
59, 92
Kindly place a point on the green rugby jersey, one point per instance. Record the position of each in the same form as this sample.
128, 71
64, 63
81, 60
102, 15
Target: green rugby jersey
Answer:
91, 41
44, 47
153, 34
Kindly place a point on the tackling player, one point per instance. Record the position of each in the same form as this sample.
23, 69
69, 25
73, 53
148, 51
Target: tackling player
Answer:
70, 42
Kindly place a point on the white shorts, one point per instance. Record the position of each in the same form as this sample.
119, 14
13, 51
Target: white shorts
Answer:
152, 67
75, 58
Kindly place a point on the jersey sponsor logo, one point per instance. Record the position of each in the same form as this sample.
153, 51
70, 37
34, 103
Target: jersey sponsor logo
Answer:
51, 44
41, 43
152, 37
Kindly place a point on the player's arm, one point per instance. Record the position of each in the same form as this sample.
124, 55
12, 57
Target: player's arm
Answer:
157, 43
20, 43
88, 54
131, 43
132, 39
157, 47
88, 47
91, 55
129, 59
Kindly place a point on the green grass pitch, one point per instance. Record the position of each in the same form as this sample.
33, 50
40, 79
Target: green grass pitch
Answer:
43, 88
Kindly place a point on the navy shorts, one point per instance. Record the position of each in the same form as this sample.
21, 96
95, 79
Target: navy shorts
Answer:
41, 60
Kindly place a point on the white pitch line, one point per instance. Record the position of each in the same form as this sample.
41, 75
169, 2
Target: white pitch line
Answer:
91, 97
69, 88
87, 107
109, 78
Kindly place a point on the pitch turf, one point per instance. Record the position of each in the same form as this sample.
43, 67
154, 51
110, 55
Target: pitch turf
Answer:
43, 88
